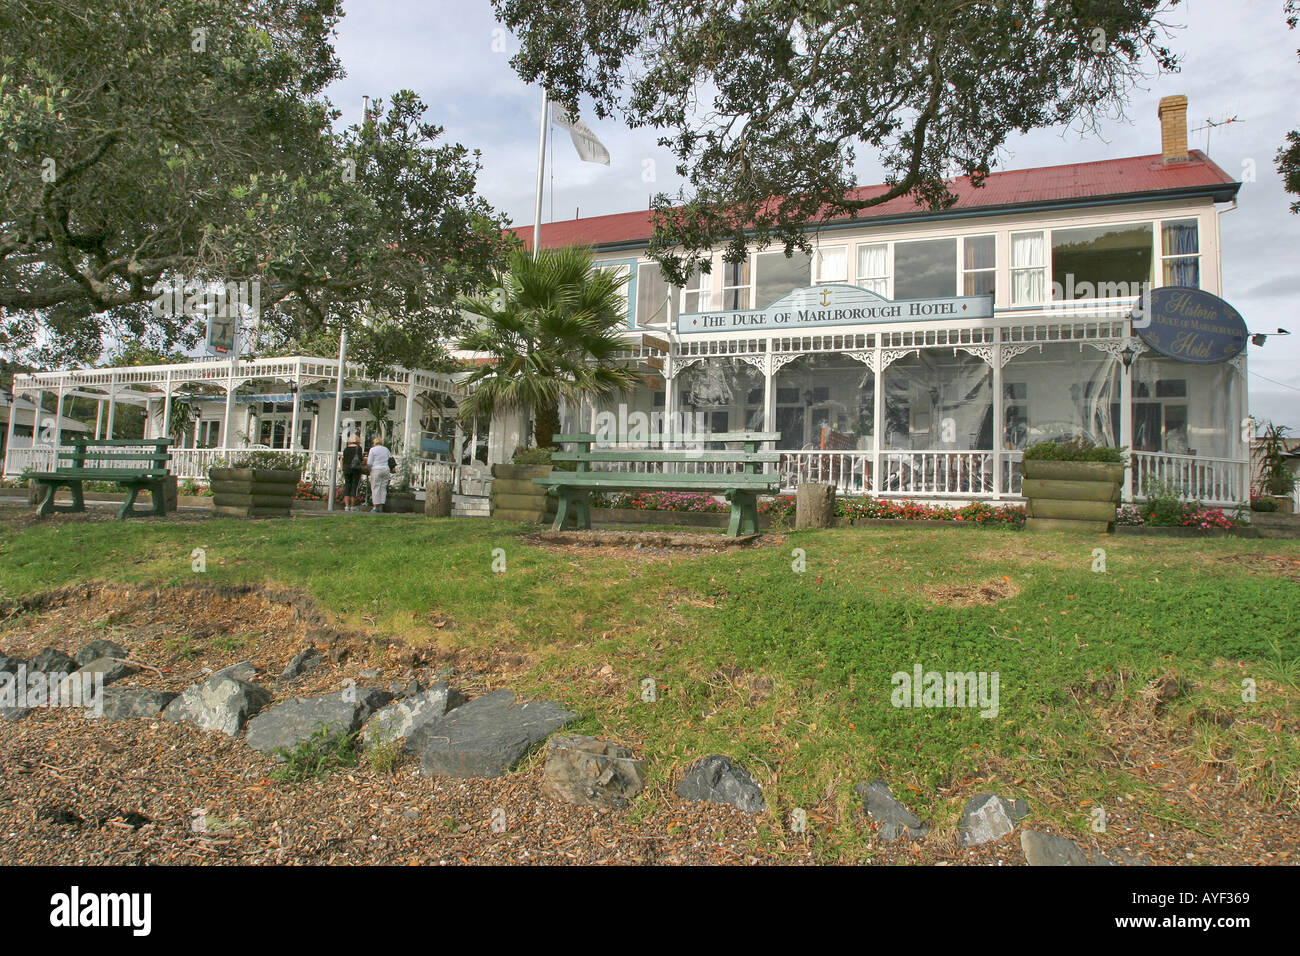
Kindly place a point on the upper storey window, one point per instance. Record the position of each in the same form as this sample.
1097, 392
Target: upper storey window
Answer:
1101, 262
925, 269
1180, 252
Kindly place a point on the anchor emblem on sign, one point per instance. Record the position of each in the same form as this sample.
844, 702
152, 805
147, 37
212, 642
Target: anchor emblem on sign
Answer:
826, 296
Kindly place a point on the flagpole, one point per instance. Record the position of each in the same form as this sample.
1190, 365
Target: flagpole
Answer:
541, 172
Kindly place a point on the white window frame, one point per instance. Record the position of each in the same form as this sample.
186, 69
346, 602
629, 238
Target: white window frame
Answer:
1044, 266
963, 272
1160, 248
747, 300
703, 288
819, 264
893, 261
887, 278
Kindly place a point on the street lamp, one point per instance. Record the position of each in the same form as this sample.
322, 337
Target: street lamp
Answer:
1128, 353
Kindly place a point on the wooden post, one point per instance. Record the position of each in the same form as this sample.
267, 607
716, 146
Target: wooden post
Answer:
437, 499
814, 506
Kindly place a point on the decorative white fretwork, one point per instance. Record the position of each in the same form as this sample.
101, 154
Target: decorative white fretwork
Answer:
867, 357
984, 352
889, 356
679, 363
1011, 351
758, 361
781, 361
1116, 349
1238, 362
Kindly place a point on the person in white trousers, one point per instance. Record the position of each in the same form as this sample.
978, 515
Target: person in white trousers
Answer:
380, 472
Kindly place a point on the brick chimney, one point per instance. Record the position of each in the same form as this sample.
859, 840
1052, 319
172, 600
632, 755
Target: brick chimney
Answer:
1173, 129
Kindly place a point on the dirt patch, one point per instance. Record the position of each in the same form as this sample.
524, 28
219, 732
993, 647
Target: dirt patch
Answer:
1282, 565
972, 595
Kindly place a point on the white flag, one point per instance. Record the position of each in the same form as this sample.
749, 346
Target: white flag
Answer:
589, 148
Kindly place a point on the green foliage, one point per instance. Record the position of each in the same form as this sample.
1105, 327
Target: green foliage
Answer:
532, 456
318, 756
159, 154
384, 756
1275, 474
270, 460
553, 328
799, 93
1163, 507
1076, 449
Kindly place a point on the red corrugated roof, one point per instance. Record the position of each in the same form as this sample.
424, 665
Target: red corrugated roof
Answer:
1015, 187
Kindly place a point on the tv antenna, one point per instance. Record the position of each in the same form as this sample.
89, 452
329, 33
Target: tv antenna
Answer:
1209, 128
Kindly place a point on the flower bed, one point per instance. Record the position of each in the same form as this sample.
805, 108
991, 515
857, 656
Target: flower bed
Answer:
783, 506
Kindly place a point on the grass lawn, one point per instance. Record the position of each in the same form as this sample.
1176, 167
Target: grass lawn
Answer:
790, 672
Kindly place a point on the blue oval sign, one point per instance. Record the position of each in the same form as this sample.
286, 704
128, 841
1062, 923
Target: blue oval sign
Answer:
1189, 325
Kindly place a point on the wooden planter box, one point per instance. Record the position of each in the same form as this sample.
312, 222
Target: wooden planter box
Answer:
516, 497
1071, 495
1275, 524
253, 492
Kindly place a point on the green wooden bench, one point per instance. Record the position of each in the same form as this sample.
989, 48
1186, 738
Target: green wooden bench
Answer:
121, 463
741, 488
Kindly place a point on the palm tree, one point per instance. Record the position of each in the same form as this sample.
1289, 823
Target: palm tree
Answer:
552, 329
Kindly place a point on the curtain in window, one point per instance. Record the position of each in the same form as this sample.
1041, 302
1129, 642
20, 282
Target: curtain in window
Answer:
873, 269
1181, 239
1027, 272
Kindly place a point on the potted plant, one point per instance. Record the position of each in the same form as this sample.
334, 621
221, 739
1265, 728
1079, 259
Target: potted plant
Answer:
258, 484
1072, 485
1276, 479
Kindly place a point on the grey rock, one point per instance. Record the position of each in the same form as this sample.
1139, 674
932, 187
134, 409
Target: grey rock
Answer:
302, 662
287, 725
485, 737
112, 669
412, 688
372, 699
219, 703
244, 671
895, 819
591, 772
97, 649
987, 817
370, 673
52, 661
1043, 849
398, 721
9, 665
124, 703
716, 779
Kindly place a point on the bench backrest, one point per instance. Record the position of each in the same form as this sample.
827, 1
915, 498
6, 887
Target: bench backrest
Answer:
669, 448
119, 453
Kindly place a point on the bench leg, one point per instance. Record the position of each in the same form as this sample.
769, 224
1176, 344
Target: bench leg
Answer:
128, 506
561, 510
744, 514
47, 506
582, 509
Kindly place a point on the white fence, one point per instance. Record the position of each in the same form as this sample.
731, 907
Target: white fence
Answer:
192, 464
1217, 481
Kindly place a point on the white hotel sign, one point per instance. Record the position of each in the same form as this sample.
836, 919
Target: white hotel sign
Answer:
835, 305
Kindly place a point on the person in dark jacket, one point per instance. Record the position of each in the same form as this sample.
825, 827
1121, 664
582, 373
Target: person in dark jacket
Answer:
354, 466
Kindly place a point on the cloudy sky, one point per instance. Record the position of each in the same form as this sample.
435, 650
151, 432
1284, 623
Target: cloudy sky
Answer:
1238, 59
